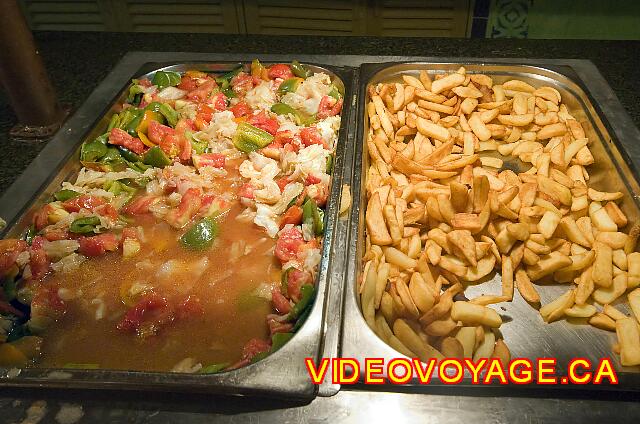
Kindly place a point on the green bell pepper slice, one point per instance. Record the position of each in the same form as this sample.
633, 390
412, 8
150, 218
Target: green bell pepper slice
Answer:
169, 114
335, 93
84, 225
214, 368
289, 85
249, 138
285, 109
156, 158
284, 279
132, 125
225, 79
300, 70
30, 234
129, 155
64, 195
278, 340
163, 79
329, 167
136, 91
307, 292
95, 149
201, 234
312, 216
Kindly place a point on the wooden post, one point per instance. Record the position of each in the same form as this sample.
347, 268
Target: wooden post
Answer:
24, 78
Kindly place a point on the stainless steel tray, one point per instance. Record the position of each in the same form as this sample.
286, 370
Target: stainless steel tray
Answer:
524, 331
282, 374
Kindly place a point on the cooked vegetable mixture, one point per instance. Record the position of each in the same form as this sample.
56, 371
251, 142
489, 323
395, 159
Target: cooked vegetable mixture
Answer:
191, 237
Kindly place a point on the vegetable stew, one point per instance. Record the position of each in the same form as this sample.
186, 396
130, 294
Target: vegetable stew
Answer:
190, 239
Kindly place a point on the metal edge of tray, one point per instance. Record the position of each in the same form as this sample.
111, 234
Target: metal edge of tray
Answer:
276, 375
359, 334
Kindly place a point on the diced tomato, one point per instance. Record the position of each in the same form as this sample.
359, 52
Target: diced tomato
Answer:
216, 160
156, 131
264, 122
276, 326
246, 190
188, 83
139, 205
240, 109
203, 92
47, 303
242, 83
148, 316
254, 347
98, 245
184, 144
204, 112
328, 107
55, 234
280, 302
311, 135
38, 260
9, 251
319, 193
83, 201
107, 210
144, 82
122, 138
311, 179
188, 207
41, 218
171, 144
129, 233
189, 308
296, 280
293, 215
219, 102
282, 182
284, 139
288, 244
280, 70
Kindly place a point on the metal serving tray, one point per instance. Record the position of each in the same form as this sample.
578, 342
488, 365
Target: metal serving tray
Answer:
282, 374
523, 329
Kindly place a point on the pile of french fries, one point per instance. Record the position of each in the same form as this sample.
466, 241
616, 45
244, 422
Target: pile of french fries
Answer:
442, 214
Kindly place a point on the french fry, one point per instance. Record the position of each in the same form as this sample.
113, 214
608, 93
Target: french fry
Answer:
447, 83
555, 310
605, 295
486, 347
634, 302
376, 225
452, 348
463, 244
613, 313
602, 273
472, 314
629, 339
414, 342
467, 338
602, 322
633, 270
526, 289
548, 265
581, 311
548, 224
501, 351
